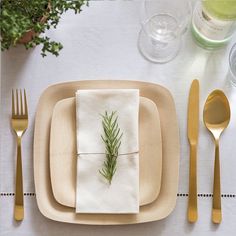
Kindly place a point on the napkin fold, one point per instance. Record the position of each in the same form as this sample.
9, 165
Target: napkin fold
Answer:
93, 193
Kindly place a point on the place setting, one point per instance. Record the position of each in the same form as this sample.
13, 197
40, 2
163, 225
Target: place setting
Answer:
83, 174
109, 151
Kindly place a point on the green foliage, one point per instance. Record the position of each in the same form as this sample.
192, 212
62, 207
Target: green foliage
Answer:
20, 16
112, 141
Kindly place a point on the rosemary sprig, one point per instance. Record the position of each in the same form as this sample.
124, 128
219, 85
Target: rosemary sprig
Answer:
112, 141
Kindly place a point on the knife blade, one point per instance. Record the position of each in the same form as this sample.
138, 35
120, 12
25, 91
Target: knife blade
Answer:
193, 112
193, 130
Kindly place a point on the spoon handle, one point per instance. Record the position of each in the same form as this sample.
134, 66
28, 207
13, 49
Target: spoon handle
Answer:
216, 211
192, 198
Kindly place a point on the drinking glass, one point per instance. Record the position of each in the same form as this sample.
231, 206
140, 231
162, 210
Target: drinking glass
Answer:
163, 24
232, 65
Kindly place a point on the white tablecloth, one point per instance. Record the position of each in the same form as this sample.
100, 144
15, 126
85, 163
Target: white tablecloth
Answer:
100, 43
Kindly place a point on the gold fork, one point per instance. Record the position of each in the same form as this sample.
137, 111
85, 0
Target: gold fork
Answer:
19, 123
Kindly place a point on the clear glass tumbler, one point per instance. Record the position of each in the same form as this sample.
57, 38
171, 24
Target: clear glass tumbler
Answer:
163, 24
232, 65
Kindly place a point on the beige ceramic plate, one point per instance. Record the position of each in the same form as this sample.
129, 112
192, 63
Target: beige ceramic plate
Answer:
166, 200
63, 152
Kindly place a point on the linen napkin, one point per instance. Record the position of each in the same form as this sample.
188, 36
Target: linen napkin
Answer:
93, 193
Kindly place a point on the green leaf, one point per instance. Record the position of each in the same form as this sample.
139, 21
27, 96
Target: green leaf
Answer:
20, 16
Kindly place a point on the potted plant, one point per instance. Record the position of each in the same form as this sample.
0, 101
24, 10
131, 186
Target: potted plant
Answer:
24, 21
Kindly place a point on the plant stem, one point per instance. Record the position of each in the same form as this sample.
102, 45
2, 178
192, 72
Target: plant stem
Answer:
112, 141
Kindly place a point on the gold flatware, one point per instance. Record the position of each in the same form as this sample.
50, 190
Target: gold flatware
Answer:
19, 123
216, 117
193, 123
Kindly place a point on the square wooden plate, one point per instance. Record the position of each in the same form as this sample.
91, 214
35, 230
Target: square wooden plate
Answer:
158, 209
63, 157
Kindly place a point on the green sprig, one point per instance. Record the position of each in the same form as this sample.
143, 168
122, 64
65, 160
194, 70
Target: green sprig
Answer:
112, 140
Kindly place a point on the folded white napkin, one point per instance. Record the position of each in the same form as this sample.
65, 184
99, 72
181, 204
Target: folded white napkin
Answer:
93, 193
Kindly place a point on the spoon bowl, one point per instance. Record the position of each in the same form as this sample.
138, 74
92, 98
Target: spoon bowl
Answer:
216, 116
216, 113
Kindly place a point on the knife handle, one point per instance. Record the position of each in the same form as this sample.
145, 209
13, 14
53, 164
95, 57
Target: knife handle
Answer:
192, 197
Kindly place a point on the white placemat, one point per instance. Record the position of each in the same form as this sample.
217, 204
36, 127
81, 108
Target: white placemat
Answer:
101, 43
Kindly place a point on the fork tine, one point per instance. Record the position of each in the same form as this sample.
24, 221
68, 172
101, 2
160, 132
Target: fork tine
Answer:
13, 103
26, 108
21, 103
17, 103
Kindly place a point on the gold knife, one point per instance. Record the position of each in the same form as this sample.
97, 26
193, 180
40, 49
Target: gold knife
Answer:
193, 123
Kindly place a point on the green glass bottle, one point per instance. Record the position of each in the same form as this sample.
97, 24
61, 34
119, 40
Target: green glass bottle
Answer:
214, 22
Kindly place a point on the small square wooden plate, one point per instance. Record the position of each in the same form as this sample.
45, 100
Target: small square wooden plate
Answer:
63, 158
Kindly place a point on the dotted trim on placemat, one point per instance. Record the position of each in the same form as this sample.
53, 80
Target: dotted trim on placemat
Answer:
13, 194
178, 195
207, 195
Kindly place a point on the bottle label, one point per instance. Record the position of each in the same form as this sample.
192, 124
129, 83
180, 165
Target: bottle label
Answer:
210, 27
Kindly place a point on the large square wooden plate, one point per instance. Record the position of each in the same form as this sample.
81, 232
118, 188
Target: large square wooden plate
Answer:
158, 209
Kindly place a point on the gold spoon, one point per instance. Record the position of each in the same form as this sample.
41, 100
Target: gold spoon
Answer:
216, 117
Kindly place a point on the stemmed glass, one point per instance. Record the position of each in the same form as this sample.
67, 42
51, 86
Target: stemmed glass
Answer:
163, 24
